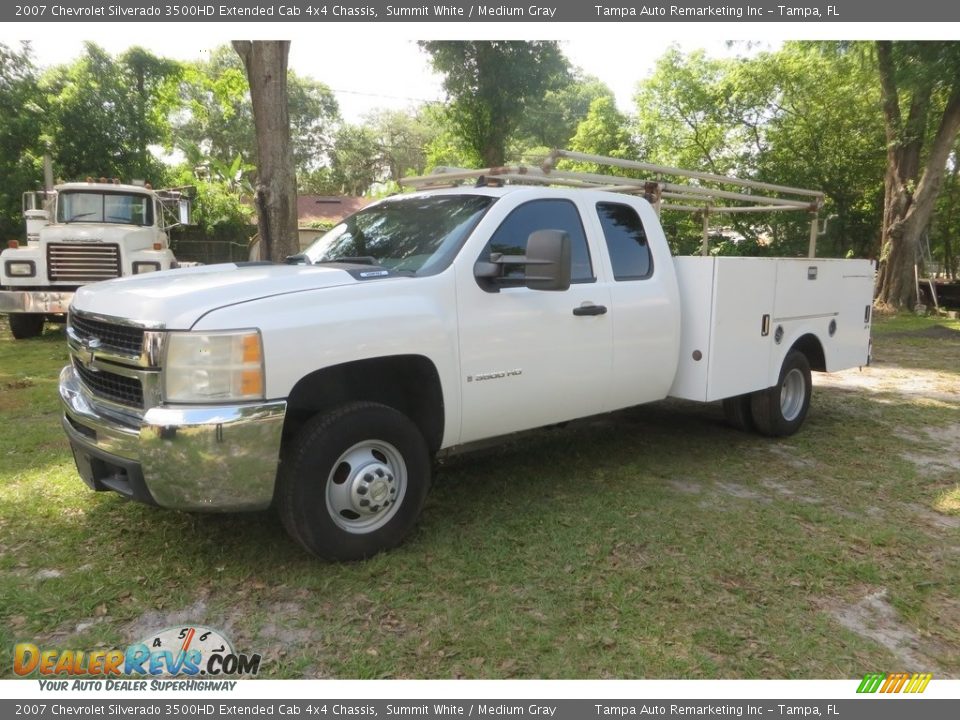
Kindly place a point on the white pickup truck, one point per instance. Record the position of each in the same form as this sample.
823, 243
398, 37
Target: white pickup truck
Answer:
421, 323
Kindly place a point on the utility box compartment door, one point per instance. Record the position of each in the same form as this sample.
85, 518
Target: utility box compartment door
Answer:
742, 332
727, 306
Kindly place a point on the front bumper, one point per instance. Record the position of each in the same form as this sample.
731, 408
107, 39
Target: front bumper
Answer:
43, 302
187, 458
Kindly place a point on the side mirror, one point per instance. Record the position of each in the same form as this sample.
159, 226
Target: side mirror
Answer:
183, 212
547, 263
548, 260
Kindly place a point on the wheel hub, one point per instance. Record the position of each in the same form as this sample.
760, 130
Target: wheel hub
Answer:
373, 488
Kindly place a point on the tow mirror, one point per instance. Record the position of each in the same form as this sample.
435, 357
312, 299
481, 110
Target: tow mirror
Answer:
547, 262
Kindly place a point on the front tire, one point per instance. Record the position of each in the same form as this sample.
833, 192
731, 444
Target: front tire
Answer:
354, 481
24, 326
779, 411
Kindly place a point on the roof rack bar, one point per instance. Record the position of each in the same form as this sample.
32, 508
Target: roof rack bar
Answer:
693, 197
664, 169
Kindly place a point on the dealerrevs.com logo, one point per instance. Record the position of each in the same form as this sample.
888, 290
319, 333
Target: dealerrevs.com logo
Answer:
191, 651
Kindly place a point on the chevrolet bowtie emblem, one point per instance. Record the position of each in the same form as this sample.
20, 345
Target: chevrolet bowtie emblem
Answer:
90, 346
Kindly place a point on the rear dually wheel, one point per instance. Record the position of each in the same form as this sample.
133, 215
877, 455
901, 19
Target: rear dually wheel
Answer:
780, 410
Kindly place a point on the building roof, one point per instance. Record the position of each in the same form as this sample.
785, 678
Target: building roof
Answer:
327, 208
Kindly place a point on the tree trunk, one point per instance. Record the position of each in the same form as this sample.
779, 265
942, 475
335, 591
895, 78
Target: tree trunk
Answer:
276, 188
908, 202
950, 223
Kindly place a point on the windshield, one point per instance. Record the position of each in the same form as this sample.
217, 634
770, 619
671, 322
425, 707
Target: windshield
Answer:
105, 207
415, 235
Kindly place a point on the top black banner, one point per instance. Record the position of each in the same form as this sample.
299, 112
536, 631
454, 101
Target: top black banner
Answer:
465, 11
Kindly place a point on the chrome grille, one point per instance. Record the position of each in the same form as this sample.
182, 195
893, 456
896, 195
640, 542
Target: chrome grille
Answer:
111, 386
122, 339
82, 262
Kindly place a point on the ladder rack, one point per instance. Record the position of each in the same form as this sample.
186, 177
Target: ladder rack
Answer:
681, 189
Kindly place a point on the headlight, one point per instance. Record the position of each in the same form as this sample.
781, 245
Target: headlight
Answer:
201, 367
20, 268
141, 267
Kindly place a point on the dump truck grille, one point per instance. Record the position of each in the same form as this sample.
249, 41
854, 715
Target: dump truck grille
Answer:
111, 386
82, 262
122, 339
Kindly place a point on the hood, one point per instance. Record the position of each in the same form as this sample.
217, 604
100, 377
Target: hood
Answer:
176, 299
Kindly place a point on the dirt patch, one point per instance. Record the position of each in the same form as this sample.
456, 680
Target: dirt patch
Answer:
913, 384
791, 492
875, 618
932, 517
686, 486
941, 462
741, 491
786, 454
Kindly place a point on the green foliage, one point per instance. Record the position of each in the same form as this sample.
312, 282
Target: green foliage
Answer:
102, 114
219, 209
491, 85
604, 131
355, 159
803, 116
945, 228
218, 120
403, 139
20, 147
552, 121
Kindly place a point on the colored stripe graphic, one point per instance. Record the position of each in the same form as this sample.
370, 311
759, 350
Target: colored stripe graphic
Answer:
894, 682
919, 682
871, 682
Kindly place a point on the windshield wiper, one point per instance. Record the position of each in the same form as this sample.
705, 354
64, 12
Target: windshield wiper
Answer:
80, 215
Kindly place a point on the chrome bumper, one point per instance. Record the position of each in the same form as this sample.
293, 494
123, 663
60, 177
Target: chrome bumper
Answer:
186, 458
35, 301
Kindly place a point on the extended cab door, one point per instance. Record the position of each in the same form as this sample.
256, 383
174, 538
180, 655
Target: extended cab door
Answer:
644, 300
531, 357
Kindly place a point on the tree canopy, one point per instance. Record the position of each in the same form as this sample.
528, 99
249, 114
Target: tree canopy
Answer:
491, 85
873, 125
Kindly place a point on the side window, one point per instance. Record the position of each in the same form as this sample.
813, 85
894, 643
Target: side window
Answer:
626, 241
511, 237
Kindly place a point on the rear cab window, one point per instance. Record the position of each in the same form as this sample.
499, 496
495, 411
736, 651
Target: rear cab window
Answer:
626, 241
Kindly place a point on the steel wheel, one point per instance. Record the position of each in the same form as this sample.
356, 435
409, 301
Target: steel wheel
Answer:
366, 486
353, 481
793, 394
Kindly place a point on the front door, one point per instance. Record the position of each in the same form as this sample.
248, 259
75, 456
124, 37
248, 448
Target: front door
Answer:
530, 357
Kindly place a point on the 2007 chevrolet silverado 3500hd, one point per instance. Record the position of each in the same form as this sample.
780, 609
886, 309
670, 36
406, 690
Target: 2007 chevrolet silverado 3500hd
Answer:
427, 321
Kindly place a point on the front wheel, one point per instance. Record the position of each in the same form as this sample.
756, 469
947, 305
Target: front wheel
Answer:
780, 410
354, 481
24, 326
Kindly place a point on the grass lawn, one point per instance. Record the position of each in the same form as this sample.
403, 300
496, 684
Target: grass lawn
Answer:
655, 542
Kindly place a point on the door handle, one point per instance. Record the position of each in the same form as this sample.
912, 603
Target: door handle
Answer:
590, 309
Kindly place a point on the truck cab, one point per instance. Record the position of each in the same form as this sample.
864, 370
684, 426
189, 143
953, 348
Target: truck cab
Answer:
81, 233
